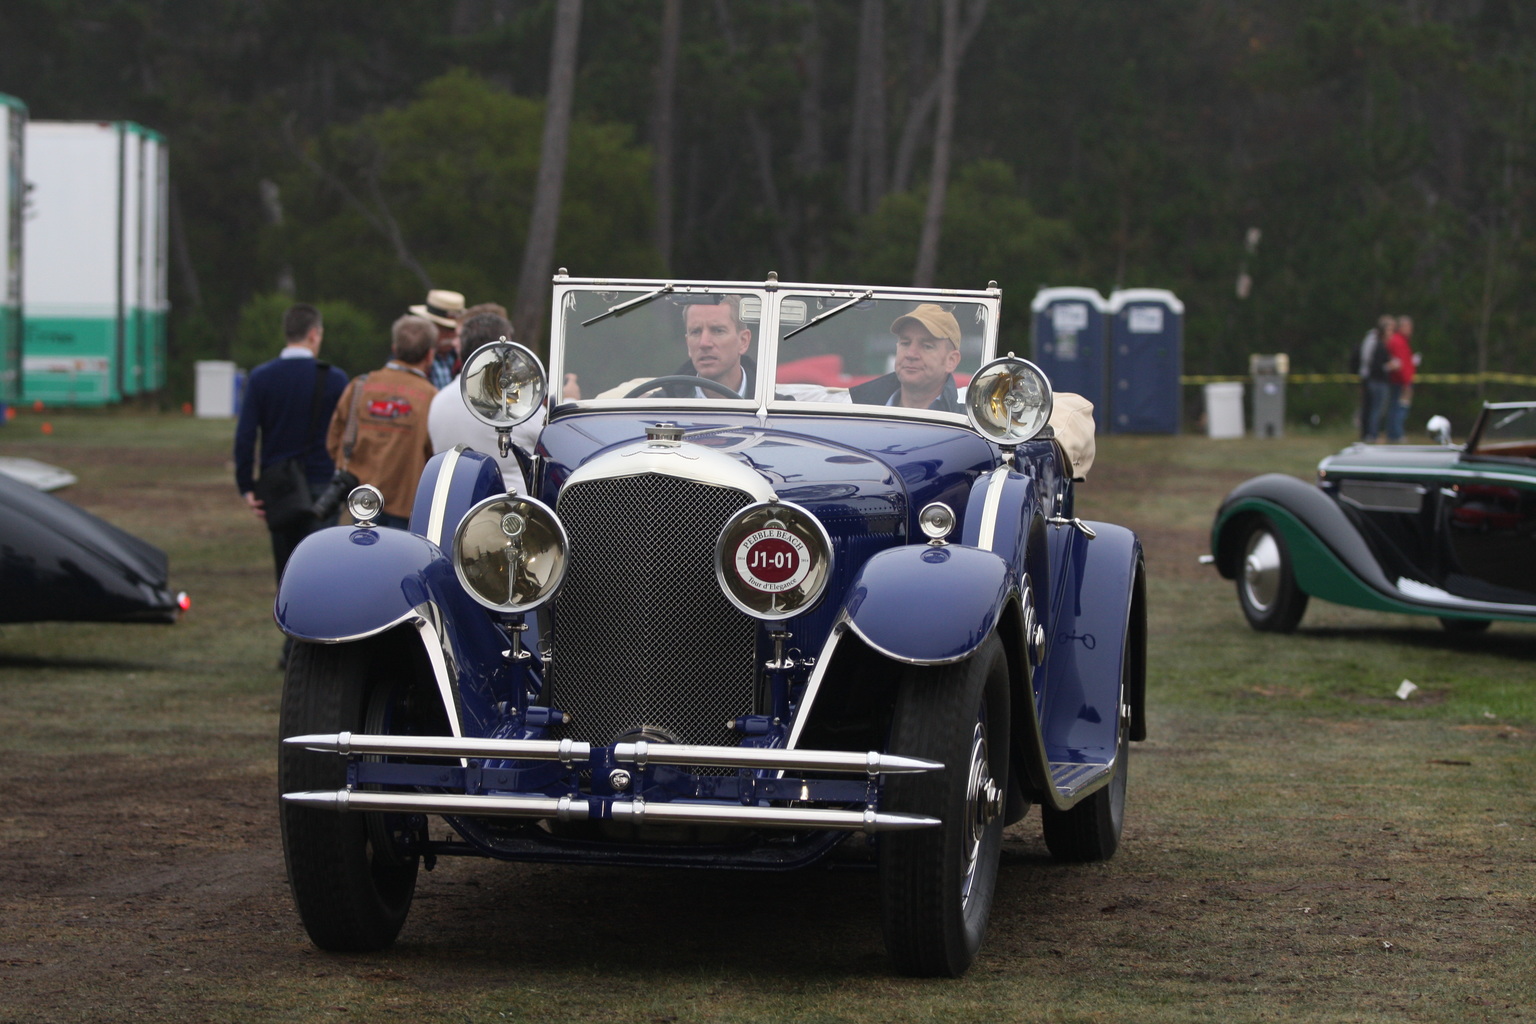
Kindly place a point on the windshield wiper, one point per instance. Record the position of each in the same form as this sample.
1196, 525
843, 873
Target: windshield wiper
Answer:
626, 306
831, 312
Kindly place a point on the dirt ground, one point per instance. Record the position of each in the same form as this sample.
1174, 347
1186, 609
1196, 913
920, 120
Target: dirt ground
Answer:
151, 887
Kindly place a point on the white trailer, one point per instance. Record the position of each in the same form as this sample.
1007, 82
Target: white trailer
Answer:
13, 120
95, 238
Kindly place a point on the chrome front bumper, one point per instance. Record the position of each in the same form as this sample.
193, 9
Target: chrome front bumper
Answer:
635, 810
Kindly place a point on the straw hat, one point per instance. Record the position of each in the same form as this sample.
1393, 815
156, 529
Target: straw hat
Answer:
442, 307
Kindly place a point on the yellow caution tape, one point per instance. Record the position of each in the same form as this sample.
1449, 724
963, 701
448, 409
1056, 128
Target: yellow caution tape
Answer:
1491, 377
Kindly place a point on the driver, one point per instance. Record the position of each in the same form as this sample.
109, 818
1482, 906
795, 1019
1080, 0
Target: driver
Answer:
927, 352
717, 350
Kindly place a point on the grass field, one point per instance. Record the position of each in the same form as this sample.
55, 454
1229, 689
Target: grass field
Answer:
1300, 843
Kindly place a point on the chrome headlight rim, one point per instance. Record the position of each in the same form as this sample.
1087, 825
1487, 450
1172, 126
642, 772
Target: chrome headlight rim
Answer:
365, 503
999, 421
491, 371
796, 547
536, 523
936, 521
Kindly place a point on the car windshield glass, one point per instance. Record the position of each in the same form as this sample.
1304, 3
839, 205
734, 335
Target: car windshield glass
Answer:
613, 351
879, 351
1508, 430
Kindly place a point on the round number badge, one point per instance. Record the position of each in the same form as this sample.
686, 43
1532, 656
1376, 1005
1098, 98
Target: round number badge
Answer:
772, 561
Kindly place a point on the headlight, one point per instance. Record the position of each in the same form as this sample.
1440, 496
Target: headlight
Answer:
503, 384
509, 552
365, 503
1009, 400
773, 560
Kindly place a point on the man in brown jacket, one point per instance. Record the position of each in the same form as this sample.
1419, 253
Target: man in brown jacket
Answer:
379, 431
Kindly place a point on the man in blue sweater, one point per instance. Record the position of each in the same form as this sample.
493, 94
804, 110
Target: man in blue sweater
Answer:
287, 408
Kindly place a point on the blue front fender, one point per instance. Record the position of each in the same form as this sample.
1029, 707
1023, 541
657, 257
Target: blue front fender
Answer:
929, 605
347, 583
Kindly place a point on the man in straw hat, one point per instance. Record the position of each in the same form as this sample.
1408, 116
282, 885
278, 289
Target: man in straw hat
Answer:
927, 352
445, 309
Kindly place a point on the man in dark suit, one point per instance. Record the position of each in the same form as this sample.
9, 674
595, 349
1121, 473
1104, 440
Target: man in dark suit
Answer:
717, 350
287, 407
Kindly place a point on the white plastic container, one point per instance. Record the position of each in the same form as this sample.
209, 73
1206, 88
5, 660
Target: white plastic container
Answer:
215, 389
1224, 409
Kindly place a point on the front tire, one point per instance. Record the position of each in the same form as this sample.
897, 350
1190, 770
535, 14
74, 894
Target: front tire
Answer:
351, 882
937, 884
1266, 581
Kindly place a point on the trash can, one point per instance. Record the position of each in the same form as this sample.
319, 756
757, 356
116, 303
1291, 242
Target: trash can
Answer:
1224, 409
1269, 373
1067, 342
215, 389
1146, 360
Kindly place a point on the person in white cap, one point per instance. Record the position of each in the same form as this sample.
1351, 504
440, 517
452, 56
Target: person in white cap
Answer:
444, 308
927, 352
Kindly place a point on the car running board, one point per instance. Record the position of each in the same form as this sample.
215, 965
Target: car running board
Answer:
1072, 778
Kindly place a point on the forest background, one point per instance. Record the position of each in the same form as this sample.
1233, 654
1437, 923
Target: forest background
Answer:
1290, 168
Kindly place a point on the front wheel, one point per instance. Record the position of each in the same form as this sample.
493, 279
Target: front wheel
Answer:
1266, 581
936, 884
351, 880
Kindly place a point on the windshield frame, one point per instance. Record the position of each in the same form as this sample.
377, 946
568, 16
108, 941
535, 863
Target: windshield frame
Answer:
765, 348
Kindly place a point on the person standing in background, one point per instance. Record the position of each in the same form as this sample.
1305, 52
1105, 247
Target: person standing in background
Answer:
444, 309
379, 430
1372, 367
288, 403
1401, 365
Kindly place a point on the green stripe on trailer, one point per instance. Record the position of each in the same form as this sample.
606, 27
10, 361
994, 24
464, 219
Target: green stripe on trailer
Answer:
69, 361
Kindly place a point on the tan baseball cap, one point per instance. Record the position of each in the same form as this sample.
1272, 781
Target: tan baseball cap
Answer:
442, 307
937, 320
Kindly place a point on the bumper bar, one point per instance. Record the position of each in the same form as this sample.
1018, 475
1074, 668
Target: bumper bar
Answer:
639, 754
634, 812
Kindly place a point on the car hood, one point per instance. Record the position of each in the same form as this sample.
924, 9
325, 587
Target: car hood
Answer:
59, 562
838, 467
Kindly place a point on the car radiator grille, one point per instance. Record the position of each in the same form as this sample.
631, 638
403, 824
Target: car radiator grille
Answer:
644, 643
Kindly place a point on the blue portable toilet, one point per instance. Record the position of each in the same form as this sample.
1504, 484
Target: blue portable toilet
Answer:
1146, 360
1068, 343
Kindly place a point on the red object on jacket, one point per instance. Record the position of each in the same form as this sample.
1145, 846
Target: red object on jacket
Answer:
1399, 349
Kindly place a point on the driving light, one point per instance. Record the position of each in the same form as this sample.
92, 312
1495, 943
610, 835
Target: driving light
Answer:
503, 384
510, 553
1009, 400
773, 560
936, 520
365, 504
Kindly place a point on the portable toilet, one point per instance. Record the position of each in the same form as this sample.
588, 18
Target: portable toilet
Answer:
89, 253
1146, 361
13, 121
1068, 342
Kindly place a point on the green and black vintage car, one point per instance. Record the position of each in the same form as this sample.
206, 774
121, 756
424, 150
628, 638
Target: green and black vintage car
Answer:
1444, 530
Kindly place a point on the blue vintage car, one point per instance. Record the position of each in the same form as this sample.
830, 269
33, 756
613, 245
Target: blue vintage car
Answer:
1444, 530
744, 603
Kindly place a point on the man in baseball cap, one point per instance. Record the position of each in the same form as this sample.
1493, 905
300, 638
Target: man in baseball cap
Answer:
927, 352
445, 309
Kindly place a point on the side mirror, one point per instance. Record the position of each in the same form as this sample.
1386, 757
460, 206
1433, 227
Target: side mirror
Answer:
1439, 429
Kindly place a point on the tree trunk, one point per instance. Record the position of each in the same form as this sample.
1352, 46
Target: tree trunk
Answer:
938, 178
663, 128
922, 106
539, 250
866, 136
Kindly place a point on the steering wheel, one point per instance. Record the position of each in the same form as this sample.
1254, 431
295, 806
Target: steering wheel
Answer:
681, 378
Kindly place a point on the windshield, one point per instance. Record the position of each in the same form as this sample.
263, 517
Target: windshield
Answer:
1507, 429
688, 342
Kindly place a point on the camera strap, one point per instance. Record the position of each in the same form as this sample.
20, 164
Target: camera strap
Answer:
349, 439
